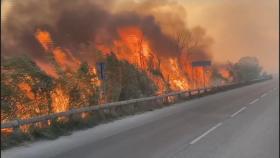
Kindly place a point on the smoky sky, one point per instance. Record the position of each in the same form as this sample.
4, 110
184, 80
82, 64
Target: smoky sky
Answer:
240, 28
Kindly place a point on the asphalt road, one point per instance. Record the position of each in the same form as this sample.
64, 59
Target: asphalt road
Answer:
239, 123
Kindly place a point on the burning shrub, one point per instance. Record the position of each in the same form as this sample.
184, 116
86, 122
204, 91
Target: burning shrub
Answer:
124, 81
85, 89
135, 83
221, 74
24, 85
247, 68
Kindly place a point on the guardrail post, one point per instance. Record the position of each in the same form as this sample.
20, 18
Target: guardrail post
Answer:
165, 100
101, 114
202, 91
131, 108
45, 123
215, 88
159, 102
16, 126
113, 111
178, 97
190, 94
154, 103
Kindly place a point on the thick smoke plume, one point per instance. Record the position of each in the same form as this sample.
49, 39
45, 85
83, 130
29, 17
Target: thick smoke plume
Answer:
76, 25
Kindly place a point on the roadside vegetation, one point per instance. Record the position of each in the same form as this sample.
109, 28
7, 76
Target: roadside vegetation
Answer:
26, 91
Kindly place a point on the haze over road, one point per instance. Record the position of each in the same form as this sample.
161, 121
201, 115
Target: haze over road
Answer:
239, 123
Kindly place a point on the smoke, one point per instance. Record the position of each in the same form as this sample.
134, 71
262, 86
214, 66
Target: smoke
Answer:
76, 25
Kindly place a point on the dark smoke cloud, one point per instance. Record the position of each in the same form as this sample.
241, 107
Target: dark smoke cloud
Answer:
75, 23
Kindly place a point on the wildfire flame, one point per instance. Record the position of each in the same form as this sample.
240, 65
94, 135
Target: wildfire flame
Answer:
60, 100
63, 57
47, 68
44, 39
178, 82
224, 73
133, 47
170, 69
26, 88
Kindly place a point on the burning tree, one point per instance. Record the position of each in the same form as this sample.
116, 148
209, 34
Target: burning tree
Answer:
192, 45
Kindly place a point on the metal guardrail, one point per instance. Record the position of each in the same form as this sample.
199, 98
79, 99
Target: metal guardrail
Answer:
17, 123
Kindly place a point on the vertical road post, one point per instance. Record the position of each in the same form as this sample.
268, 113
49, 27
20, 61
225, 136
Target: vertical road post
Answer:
16, 127
203, 77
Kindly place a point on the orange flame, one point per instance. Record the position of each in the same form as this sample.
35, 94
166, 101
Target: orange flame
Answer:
135, 48
177, 81
224, 73
47, 68
60, 100
44, 39
63, 57
26, 88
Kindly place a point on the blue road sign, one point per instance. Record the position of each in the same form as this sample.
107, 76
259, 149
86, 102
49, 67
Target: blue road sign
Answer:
101, 69
201, 63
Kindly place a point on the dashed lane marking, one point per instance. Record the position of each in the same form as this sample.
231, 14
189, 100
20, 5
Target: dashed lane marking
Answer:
237, 112
254, 101
265, 94
205, 133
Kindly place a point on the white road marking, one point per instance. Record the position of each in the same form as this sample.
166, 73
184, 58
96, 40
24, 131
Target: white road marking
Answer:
265, 94
252, 102
237, 112
207, 132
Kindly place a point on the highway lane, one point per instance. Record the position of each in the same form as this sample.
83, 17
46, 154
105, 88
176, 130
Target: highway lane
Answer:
250, 132
241, 123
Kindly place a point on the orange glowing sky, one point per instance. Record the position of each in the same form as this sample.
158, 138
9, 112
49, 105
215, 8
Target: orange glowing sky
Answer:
239, 27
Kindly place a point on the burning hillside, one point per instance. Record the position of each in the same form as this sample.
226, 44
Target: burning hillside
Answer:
63, 42
135, 36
